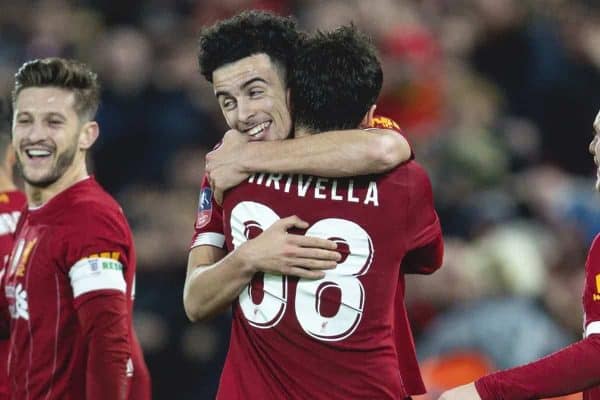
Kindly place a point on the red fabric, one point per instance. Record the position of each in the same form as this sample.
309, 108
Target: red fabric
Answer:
49, 350
11, 205
209, 216
570, 370
140, 387
424, 260
104, 322
375, 357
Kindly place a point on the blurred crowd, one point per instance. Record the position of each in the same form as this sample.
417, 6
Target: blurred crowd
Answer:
496, 96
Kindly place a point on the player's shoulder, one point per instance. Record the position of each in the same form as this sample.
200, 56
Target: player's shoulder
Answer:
12, 201
409, 172
594, 253
382, 122
91, 204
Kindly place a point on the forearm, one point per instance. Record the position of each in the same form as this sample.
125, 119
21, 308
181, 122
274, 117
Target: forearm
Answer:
569, 370
105, 324
211, 288
331, 154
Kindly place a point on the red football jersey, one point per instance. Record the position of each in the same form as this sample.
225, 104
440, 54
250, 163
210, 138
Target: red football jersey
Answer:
11, 205
337, 337
75, 246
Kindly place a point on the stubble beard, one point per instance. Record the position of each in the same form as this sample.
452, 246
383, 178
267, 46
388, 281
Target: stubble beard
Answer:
62, 163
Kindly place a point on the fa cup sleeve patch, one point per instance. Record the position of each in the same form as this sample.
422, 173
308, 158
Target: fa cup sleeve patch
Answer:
204, 207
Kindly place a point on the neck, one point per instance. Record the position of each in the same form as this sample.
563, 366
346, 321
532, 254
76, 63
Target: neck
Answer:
38, 196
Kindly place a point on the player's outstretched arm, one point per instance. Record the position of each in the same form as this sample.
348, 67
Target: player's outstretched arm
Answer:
329, 154
212, 287
464, 392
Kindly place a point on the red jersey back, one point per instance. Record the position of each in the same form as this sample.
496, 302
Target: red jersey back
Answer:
337, 337
11, 205
77, 245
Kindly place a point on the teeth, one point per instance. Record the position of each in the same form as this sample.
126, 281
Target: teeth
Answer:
37, 153
258, 129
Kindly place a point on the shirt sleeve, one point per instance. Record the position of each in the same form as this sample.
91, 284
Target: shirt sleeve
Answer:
423, 223
208, 228
570, 370
104, 323
98, 247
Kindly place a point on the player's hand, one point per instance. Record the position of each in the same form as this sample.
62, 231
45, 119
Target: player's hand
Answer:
223, 164
276, 251
464, 392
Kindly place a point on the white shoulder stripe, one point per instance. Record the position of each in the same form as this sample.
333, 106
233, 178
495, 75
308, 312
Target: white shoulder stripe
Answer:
209, 238
89, 274
592, 328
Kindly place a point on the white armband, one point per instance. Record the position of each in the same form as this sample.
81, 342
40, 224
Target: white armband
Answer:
89, 274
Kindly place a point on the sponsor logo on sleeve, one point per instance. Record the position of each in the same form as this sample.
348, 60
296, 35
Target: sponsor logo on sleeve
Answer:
204, 208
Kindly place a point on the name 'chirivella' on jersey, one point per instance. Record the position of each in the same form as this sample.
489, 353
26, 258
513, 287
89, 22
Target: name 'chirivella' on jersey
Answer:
320, 188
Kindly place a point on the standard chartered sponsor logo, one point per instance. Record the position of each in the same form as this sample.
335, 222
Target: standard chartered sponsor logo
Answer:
19, 308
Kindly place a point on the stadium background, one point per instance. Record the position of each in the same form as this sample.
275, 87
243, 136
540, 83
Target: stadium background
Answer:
496, 96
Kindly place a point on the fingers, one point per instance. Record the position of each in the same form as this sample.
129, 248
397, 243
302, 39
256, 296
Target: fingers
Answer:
312, 242
292, 222
303, 273
317, 254
218, 194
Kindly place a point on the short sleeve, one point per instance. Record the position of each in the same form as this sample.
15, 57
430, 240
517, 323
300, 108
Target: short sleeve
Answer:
98, 244
208, 228
423, 222
591, 291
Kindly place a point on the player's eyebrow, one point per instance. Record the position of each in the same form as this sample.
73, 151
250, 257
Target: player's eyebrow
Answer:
220, 93
253, 80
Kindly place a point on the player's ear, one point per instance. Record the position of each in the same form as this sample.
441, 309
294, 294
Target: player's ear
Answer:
367, 121
89, 134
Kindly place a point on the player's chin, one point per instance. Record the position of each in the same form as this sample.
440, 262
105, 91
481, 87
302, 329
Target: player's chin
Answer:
40, 179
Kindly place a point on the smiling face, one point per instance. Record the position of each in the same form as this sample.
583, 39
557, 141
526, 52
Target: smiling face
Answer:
595, 149
46, 134
253, 98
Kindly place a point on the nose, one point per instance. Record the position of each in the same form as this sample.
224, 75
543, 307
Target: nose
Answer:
246, 111
36, 132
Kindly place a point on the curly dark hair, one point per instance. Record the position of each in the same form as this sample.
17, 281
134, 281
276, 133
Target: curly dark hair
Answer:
65, 74
335, 79
248, 33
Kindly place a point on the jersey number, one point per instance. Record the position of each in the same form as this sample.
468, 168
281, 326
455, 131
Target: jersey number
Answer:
327, 309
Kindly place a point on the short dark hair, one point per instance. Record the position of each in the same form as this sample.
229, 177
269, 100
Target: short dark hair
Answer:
335, 79
64, 74
245, 34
